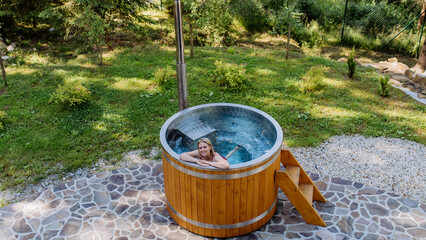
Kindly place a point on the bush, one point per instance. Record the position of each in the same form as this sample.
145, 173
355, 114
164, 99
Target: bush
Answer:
162, 75
70, 94
312, 80
384, 86
2, 118
231, 75
251, 14
351, 63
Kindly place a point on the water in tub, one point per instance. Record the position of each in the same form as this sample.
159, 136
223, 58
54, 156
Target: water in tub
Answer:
231, 132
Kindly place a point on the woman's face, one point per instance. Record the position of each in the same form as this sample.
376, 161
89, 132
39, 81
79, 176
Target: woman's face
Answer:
203, 149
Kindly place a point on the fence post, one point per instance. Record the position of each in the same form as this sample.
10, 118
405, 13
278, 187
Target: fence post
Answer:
344, 20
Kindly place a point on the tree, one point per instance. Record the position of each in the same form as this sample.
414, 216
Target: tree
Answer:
3, 53
22, 16
94, 29
113, 13
421, 62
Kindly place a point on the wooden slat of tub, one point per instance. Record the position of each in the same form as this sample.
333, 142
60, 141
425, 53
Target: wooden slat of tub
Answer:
229, 201
250, 200
187, 196
236, 204
256, 197
262, 194
219, 213
184, 191
208, 204
200, 202
243, 203
194, 207
269, 186
215, 201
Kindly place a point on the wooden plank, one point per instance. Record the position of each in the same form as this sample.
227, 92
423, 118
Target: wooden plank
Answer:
307, 191
243, 203
256, 197
287, 158
208, 204
200, 203
222, 204
262, 193
236, 206
296, 197
187, 194
194, 207
229, 201
294, 173
250, 200
215, 205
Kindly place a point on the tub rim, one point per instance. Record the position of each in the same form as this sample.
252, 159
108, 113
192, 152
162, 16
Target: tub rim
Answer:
272, 151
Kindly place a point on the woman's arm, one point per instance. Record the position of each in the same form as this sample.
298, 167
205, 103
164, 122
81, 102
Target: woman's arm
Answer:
191, 157
218, 161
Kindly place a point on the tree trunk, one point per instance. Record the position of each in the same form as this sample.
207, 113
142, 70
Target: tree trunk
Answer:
421, 62
192, 39
288, 41
3, 71
108, 40
100, 55
422, 17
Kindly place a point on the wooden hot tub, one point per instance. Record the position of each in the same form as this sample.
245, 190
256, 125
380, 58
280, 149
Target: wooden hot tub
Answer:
214, 202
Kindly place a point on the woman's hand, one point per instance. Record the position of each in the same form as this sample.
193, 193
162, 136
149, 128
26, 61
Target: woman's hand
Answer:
203, 163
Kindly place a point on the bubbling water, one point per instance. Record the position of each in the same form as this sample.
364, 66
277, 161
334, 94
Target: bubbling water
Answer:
247, 135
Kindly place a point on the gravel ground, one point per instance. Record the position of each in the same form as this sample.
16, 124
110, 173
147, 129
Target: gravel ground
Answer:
390, 164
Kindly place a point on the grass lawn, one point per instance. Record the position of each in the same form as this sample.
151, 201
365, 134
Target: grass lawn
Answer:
127, 107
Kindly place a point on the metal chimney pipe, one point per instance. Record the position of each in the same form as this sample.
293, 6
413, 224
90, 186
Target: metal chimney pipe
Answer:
180, 61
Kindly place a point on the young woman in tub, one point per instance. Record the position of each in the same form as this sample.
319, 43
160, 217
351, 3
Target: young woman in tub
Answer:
206, 156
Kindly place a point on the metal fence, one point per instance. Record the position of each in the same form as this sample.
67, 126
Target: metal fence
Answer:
394, 23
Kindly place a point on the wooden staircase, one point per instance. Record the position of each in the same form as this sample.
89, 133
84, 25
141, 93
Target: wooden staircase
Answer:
299, 188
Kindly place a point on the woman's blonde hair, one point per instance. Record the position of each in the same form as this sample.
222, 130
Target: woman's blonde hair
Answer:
206, 140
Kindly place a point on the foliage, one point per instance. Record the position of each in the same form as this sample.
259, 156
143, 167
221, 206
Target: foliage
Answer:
327, 13
2, 118
21, 17
93, 29
351, 63
70, 94
215, 21
109, 14
126, 110
312, 80
251, 14
231, 75
163, 75
384, 86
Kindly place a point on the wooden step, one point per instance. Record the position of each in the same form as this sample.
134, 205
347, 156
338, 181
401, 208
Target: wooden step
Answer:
287, 159
294, 173
307, 191
295, 195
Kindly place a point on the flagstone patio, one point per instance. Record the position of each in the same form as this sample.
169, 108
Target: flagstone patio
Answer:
129, 203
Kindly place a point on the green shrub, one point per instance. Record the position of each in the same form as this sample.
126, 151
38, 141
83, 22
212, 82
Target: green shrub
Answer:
162, 75
384, 86
251, 14
231, 50
312, 80
70, 94
351, 63
231, 75
2, 118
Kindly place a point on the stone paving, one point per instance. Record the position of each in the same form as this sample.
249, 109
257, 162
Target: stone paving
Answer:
129, 203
